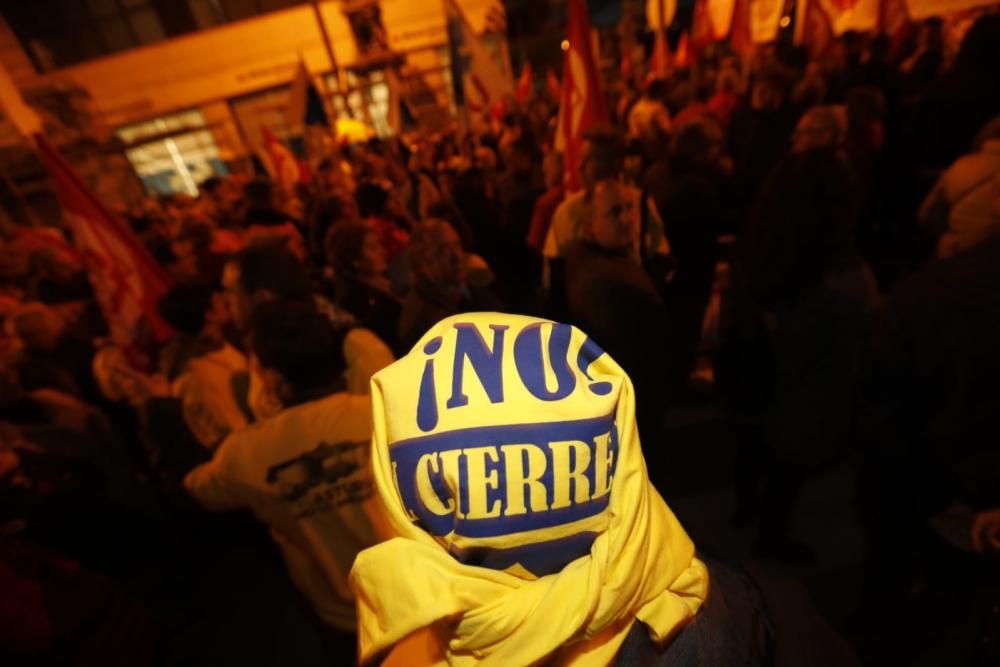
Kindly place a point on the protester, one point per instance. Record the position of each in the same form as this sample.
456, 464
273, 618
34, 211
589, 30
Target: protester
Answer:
514, 532
964, 207
928, 479
813, 296
304, 471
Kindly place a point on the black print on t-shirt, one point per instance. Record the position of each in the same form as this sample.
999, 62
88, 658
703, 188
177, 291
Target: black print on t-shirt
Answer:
324, 478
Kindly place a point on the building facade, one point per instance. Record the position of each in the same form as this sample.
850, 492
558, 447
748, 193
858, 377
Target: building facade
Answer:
187, 85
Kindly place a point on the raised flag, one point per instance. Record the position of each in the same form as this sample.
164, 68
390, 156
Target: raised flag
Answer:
661, 55
305, 105
682, 54
127, 281
625, 66
720, 16
702, 33
285, 168
740, 36
765, 16
477, 79
524, 84
582, 104
813, 28
552, 83
894, 21
661, 49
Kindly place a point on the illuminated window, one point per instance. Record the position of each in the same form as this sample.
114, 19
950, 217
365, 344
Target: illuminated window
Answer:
173, 153
378, 100
267, 109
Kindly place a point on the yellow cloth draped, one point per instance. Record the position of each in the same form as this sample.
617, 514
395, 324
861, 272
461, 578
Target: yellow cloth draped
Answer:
479, 490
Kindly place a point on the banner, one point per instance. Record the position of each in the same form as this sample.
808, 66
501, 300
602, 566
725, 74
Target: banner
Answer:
305, 105
127, 281
582, 104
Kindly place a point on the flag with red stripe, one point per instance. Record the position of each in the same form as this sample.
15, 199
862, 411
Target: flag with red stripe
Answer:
127, 281
582, 104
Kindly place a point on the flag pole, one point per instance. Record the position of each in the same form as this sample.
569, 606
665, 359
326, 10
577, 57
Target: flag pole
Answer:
337, 72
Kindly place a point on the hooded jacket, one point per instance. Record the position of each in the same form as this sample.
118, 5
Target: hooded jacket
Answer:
506, 453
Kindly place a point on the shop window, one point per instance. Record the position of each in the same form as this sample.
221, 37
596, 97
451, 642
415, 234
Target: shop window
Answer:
172, 154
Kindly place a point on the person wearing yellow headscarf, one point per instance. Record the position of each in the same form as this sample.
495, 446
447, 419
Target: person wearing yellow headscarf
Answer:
506, 454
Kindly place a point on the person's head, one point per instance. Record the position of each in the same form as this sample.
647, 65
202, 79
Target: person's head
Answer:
372, 199
353, 248
262, 271
696, 142
820, 127
522, 155
768, 92
865, 109
656, 90
260, 193
296, 351
194, 237
186, 305
444, 209
436, 256
989, 133
728, 81
802, 225
878, 49
14, 260
613, 216
54, 265
601, 156
35, 326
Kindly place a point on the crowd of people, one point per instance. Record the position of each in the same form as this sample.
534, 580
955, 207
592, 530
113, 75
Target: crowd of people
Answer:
816, 235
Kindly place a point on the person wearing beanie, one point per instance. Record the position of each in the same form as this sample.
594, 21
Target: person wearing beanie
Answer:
506, 454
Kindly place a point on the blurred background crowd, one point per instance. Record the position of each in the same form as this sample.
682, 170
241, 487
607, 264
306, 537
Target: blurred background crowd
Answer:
794, 257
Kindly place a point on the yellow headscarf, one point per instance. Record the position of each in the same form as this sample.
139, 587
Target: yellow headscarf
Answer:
506, 453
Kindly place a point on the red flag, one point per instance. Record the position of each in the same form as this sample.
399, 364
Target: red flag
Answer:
524, 86
894, 21
661, 49
285, 167
682, 54
127, 280
582, 104
661, 55
740, 37
552, 83
702, 32
813, 28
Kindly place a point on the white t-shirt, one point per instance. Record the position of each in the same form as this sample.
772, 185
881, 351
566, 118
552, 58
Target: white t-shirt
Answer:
567, 226
207, 390
305, 473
